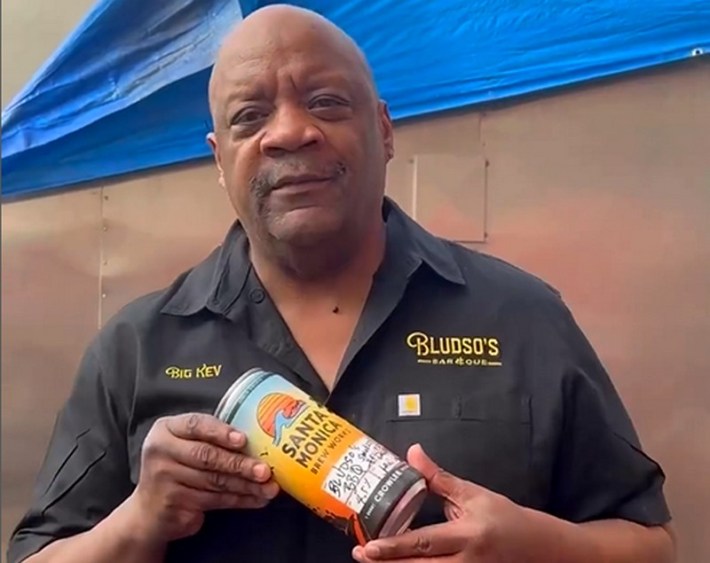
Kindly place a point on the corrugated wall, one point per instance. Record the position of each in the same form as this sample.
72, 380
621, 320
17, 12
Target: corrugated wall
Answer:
604, 191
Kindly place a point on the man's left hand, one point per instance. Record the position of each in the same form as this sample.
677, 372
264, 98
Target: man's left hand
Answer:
482, 526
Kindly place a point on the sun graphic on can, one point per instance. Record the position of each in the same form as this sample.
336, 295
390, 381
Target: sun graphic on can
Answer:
277, 411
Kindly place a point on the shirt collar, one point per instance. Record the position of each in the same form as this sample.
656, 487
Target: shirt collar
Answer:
218, 282
406, 236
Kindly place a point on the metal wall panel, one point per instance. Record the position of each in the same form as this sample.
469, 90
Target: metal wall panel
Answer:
604, 191
50, 253
455, 134
157, 226
457, 212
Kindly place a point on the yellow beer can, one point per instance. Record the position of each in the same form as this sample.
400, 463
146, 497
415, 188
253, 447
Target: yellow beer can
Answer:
322, 460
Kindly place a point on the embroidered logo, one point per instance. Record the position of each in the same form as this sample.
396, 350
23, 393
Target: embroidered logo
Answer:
409, 405
459, 351
205, 371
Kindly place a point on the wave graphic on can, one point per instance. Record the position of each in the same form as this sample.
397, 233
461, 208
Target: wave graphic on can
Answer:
320, 459
277, 411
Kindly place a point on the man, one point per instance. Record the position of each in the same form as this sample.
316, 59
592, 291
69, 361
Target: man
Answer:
329, 283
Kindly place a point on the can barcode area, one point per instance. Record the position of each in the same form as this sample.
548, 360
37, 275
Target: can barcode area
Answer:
358, 473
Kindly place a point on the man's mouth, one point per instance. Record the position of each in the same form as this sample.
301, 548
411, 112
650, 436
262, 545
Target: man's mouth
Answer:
296, 180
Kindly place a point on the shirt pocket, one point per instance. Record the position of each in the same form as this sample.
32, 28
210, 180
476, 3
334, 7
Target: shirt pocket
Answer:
69, 463
482, 438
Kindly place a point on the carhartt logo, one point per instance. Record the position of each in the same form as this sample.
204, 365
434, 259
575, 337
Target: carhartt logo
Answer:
205, 371
455, 350
409, 405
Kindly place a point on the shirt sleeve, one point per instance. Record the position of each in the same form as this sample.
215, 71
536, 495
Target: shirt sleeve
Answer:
601, 471
85, 473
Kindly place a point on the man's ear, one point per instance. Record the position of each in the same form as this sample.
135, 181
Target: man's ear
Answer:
212, 142
387, 130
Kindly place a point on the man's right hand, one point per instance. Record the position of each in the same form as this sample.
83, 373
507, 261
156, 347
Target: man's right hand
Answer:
191, 464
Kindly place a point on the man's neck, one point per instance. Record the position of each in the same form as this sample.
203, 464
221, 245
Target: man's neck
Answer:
332, 273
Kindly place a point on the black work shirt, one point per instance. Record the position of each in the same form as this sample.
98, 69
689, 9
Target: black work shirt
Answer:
476, 360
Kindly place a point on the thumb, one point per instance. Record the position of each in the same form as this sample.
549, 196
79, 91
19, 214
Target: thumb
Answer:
440, 482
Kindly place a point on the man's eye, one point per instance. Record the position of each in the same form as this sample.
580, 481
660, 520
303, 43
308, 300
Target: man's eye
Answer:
248, 116
327, 102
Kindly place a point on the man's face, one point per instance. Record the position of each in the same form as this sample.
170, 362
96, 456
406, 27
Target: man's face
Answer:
300, 138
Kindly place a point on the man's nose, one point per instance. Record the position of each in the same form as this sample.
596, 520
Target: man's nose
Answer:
290, 129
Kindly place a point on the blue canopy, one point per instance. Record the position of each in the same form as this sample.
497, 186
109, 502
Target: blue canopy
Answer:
127, 90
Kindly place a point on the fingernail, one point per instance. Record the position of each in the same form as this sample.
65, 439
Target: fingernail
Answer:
237, 438
261, 471
372, 551
271, 490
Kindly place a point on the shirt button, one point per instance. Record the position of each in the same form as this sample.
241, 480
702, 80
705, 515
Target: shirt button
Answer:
257, 295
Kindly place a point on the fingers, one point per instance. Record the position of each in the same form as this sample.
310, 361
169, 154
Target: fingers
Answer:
205, 428
223, 483
418, 458
201, 455
203, 442
360, 558
439, 481
439, 540
192, 464
204, 501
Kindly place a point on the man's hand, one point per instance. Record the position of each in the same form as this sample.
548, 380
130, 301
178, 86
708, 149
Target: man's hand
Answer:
191, 464
482, 527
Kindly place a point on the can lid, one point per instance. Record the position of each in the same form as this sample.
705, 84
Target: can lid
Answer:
237, 392
405, 510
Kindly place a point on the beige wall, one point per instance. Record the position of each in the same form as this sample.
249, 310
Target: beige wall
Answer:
604, 191
31, 31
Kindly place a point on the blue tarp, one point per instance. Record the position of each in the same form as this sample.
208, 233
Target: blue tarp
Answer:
127, 90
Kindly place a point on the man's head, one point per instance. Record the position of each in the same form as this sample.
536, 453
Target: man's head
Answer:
301, 138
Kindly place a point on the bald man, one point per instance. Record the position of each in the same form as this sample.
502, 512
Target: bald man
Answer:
527, 450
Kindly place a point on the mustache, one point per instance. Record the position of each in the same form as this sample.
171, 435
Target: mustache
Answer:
266, 180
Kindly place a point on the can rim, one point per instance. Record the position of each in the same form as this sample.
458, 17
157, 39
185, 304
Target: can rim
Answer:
405, 510
236, 391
